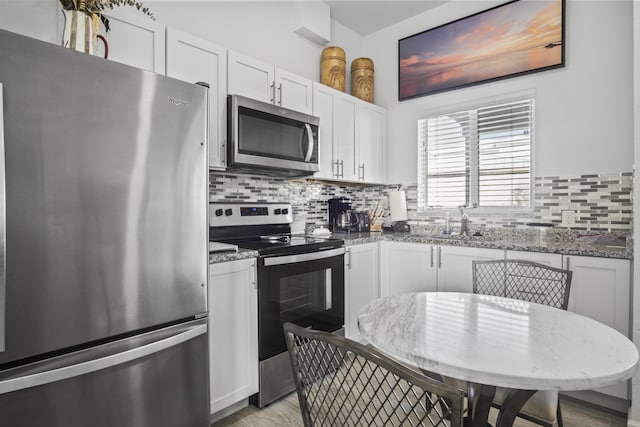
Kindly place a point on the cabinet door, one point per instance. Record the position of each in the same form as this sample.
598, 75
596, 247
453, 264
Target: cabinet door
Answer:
361, 285
407, 267
371, 137
233, 332
323, 98
250, 77
293, 91
552, 260
192, 59
600, 289
344, 122
136, 40
454, 266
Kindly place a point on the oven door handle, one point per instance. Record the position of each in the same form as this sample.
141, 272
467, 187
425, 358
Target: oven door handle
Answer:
290, 259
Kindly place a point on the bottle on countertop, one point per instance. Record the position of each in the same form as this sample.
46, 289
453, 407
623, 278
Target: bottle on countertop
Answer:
447, 223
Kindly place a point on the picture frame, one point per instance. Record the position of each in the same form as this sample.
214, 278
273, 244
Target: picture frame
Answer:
508, 40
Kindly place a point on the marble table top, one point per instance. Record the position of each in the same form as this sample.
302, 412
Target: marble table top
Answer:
498, 341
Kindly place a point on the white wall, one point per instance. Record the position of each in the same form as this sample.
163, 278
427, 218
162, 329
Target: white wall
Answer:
584, 111
40, 19
262, 29
634, 413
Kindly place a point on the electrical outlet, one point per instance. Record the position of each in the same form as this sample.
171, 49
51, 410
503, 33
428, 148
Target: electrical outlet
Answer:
568, 218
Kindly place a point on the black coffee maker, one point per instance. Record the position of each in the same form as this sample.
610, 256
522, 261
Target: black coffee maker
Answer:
341, 217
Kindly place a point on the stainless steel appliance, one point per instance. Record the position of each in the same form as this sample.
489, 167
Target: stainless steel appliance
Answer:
103, 242
269, 139
300, 280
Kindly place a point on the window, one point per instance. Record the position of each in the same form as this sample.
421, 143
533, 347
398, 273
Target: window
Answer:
478, 157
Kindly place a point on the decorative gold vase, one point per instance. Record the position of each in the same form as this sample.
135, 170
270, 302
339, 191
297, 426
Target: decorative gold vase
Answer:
80, 31
362, 79
333, 67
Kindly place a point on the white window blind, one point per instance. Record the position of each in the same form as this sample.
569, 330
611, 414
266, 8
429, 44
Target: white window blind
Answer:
477, 157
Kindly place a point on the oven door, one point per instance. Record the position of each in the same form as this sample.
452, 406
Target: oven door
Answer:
305, 289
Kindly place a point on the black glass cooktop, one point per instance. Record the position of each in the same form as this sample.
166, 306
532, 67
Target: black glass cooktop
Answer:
287, 244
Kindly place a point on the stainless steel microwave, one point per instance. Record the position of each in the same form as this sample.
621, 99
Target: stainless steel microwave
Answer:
270, 140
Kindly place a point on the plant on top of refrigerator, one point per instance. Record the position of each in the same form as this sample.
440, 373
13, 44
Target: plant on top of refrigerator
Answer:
97, 7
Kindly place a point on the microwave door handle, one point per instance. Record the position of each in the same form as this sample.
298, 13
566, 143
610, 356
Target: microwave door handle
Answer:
310, 142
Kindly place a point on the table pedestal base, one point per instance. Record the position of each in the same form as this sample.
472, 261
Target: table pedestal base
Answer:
481, 396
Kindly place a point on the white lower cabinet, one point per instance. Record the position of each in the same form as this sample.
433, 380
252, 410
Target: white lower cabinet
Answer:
361, 283
552, 260
407, 267
600, 290
233, 332
455, 266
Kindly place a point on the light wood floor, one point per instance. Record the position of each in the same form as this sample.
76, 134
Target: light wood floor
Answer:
286, 412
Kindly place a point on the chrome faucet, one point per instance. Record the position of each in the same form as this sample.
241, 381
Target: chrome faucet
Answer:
464, 223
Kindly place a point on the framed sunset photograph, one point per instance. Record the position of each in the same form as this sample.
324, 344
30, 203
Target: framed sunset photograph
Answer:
509, 40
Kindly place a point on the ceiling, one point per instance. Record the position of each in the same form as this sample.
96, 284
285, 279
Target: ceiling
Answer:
366, 17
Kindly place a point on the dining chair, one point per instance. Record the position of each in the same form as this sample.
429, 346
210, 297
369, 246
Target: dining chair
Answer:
532, 282
341, 382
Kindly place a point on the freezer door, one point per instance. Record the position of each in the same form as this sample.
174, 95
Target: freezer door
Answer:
106, 198
155, 380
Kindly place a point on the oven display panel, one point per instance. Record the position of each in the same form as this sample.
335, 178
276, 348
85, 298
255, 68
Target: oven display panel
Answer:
260, 211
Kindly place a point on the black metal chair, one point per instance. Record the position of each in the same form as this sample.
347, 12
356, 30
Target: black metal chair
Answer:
343, 383
532, 282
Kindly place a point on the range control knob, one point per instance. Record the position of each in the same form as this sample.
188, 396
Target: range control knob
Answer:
276, 211
285, 211
218, 212
228, 212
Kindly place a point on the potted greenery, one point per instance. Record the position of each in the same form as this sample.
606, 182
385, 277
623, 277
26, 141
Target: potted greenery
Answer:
82, 20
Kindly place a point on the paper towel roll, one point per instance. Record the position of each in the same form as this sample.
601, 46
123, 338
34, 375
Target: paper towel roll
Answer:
398, 205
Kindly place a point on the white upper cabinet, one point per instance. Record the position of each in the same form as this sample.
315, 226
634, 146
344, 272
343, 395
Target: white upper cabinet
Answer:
352, 136
293, 92
192, 59
135, 40
344, 122
259, 80
323, 108
372, 128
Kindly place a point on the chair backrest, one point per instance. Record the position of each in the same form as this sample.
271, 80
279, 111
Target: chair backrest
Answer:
523, 280
343, 383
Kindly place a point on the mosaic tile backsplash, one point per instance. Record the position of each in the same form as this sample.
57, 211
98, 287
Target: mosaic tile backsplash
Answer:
603, 202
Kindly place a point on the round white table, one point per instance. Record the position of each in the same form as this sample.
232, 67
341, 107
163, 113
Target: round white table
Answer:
494, 341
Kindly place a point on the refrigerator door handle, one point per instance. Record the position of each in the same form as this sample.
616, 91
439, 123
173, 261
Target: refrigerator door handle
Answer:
46, 375
3, 231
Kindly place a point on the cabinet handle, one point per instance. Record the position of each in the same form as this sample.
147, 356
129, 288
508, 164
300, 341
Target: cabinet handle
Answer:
223, 153
273, 93
348, 258
568, 259
280, 94
342, 169
439, 256
361, 168
431, 256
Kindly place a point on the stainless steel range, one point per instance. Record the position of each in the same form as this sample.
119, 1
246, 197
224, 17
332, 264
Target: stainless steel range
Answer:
300, 280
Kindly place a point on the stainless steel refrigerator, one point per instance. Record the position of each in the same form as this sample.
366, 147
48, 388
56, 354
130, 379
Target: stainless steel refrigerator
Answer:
103, 236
